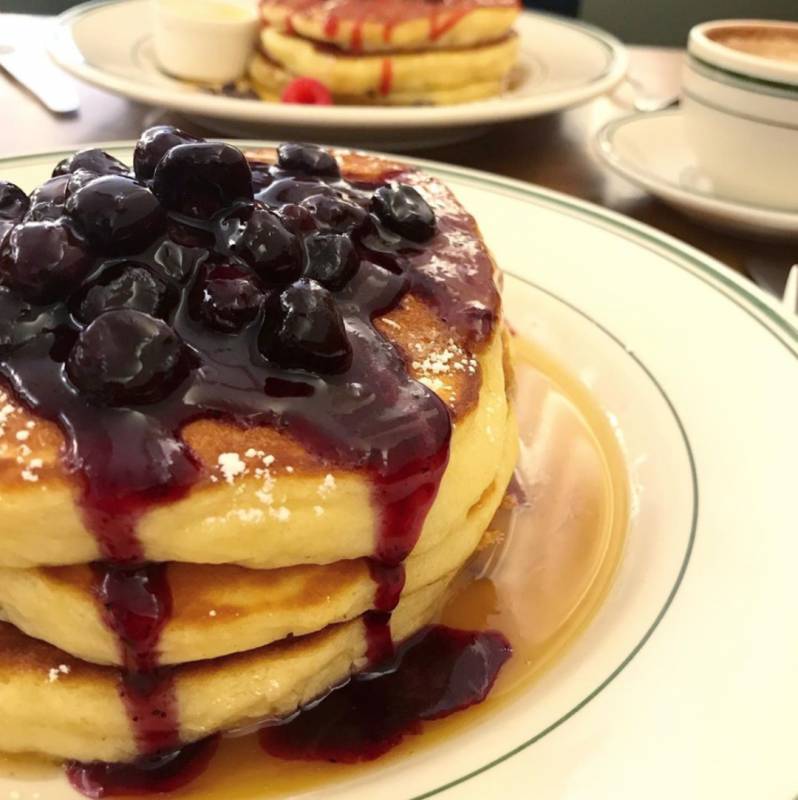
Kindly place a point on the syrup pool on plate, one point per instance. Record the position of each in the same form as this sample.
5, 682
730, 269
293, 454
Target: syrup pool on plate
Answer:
563, 523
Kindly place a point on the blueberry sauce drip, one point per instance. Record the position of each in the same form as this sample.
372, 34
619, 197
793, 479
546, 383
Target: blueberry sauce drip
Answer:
166, 772
137, 604
435, 674
438, 672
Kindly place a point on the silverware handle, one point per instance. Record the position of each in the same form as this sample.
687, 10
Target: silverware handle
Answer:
43, 81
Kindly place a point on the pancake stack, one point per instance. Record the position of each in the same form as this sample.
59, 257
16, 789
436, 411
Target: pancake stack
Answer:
254, 419
388, 52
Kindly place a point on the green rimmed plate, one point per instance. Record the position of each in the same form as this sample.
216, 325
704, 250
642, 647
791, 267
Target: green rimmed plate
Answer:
684, 684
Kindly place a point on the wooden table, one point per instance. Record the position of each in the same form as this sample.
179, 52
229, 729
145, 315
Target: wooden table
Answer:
553, 151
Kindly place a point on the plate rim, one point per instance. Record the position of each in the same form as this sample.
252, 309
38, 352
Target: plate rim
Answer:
487, 111
604, 145
747, 297
677, 583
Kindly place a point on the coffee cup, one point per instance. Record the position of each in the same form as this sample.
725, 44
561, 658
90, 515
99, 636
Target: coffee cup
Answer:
740, 101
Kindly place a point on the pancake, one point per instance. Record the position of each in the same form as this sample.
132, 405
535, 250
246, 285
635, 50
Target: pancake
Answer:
393, 24
261, 499
256, 417
421, 73
64, 708
219, 610
269, 80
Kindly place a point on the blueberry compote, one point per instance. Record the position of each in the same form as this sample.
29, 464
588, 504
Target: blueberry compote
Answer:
433, 675
200, 286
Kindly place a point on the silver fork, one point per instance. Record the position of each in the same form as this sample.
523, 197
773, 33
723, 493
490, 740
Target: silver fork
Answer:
33, 71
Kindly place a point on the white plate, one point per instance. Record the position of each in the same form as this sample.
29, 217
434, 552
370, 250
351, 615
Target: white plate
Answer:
651, 150
562, 63
684, 685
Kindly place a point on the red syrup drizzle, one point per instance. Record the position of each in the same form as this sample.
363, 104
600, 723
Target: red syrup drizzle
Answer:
386, 79
356, 42
159, 774
437, 673
331, 25
437, 28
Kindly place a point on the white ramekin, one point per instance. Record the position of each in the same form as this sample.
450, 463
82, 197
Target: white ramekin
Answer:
205, 40
741, 116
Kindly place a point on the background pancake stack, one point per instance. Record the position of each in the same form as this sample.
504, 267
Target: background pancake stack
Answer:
388, 52
296, 553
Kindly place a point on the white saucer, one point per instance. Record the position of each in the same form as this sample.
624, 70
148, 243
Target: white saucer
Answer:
561, 63
651, 150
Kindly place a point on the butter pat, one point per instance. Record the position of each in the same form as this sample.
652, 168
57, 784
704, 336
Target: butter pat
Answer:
205, 40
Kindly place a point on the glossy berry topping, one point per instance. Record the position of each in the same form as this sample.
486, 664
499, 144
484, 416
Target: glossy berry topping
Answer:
402, 209
308, 92
43, 261
93, 160
257, 235
153, 145
307, 159
14, 202
335, 214
330, 259
296, 218
303, 329
126, 285
78, 179
226, 297
47, 201
127, 357
290, 191
13, 311
117, 214
201, 179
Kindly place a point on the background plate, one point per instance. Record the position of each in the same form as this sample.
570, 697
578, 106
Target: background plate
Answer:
562, 63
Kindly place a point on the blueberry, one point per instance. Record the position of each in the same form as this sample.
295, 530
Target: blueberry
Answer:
77, 180
330, 259
47, 202
262, 177
126, 285
13, 309
335, 213
116, 214
227, 298
199, 180
296, 218
258, 237
293, 190
153, 145
127, 357
307, 159
43, 260
5, 229
176, 262
403, 210
189, 236
14, 202
303, 329
94, 160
